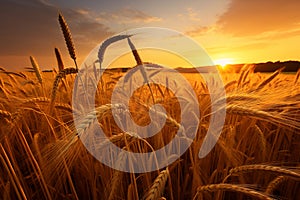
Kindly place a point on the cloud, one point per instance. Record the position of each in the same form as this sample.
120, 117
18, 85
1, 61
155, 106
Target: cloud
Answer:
239, 47
193, 15
88, 30
127, 15
31, 28
201, 30
245, 18
134, 15
281, 34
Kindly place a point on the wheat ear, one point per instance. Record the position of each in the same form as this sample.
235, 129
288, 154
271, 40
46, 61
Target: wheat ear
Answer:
99, 112
36, 69
233, 188
135, 53
68, 37
120, 139
158, 186
267, 168
273, 184
269, 79
106, 43
61, 106
58, 78
5, 114
60, 63
262, 115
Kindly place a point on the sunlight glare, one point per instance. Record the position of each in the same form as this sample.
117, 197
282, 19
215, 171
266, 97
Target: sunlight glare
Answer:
223, 62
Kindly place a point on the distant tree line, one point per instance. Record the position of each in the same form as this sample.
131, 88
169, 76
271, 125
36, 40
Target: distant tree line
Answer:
289, 66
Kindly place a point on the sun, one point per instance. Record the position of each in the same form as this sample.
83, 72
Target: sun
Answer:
223, 62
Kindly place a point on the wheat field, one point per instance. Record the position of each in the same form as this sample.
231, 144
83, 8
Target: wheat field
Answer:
42, 157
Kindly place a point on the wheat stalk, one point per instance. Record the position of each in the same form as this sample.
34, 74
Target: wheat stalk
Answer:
68, 37
239, 82
231, 98
61, 106
297, 76
249, 70
60, 63
12, 174
36, 69
158, 186
142, 68
35, 165
262, 139
62, 150
131, 193
20, 74
244, 72
117, 176
115, 184
23, 75
232, 188
229, 84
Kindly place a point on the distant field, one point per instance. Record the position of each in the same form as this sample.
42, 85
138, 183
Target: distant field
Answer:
256, 157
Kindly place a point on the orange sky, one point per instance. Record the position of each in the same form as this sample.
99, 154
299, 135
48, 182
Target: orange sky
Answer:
236, 31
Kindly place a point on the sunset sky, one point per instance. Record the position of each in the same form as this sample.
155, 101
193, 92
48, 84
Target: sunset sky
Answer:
237, 31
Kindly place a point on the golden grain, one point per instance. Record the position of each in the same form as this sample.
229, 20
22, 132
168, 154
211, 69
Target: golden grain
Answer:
232, 188
158, 186
36, 69
60, 63
68, 37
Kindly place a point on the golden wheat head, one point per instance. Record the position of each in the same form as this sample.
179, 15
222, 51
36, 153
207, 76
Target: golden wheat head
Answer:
36, 69
68, 37
232, 188
60, 63
158, 186
63, 73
